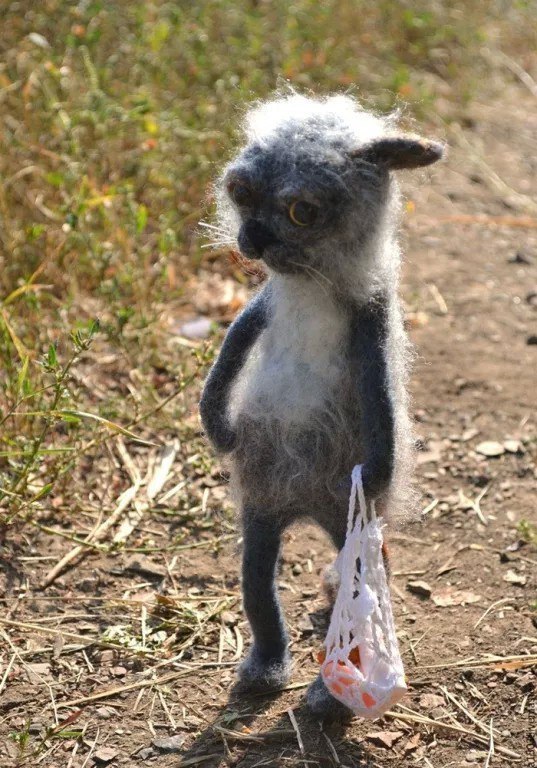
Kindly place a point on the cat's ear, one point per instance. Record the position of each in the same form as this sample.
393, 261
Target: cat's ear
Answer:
398, 152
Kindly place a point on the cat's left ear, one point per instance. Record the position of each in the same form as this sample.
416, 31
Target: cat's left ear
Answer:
398, 152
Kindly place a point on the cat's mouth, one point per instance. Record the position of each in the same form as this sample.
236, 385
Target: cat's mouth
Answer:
257, 241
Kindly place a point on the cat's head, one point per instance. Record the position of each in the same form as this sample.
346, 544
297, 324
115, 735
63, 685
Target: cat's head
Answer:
313, 178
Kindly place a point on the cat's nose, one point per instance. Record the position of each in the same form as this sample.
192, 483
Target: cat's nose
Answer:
254, 237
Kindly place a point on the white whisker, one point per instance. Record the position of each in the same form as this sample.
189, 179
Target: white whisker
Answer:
312, 272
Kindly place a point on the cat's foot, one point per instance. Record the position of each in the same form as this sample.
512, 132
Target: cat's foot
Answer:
324, 706
257, 673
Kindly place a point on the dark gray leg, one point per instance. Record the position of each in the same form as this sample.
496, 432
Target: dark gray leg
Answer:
267, 664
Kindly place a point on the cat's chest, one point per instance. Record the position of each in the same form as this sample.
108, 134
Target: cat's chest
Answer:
300, 361
305, 337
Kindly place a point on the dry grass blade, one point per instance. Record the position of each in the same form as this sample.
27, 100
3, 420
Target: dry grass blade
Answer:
6, 673
491, 608
294, 723
109, 692
491, 746
96, 535
470, 715
160, 475
514, 67
414, 717
154, 486
526, 659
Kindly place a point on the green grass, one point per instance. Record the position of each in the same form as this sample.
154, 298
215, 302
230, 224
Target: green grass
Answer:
114, 116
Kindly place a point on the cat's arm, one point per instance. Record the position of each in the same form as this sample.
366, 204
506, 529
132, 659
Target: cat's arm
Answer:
238, 341
369, 334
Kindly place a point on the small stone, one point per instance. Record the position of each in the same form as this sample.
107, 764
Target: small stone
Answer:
107, 656
118, 671
145, 566
297, 569
513, 446
474, 755
490, 449
145, 753
527, 682
199, 328
229, 618
169, 743
105, 713
511, 577
469, 434
519, 258
431, 701
420, 588
305, 625
105, 755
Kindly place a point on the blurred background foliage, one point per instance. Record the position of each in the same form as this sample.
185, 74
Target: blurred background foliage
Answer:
114, 117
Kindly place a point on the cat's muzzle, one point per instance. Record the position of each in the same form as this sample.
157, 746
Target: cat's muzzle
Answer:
254, 238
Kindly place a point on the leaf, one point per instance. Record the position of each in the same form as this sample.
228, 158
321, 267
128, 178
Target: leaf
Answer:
71, 415
448, 597
22, 383
17, 343
52, 357
105, 422
141, 218
44, 491
384, 738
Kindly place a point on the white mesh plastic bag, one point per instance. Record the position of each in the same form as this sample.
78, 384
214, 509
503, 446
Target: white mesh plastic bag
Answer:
362, 665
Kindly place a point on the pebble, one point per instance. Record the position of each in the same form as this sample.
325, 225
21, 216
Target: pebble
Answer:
199, 328
118, 671
145, 753
490, 448
474, 755
169, 743
420, 588
104, 755
105, 713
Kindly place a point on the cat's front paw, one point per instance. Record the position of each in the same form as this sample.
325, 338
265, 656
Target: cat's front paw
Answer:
324, 706
258, 673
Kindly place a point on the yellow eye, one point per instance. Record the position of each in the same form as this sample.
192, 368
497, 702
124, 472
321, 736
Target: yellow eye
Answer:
302, 213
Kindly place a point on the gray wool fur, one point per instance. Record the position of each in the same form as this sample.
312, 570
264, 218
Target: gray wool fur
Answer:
311, 379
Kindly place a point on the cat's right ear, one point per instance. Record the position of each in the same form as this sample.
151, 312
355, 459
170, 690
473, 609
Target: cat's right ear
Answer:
398, 152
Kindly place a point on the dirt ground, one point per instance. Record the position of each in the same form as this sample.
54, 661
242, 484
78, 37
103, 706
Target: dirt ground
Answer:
72, 696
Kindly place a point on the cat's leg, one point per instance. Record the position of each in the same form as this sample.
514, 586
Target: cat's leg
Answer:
267, 664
